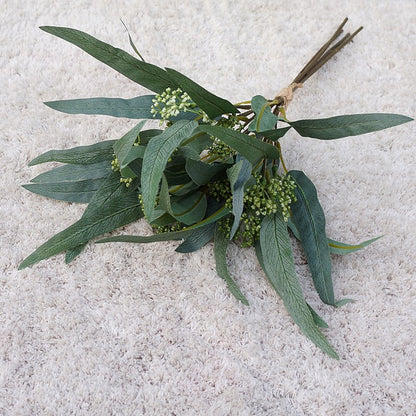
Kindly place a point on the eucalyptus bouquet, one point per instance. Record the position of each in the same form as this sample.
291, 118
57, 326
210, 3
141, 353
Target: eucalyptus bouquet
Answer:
213, 171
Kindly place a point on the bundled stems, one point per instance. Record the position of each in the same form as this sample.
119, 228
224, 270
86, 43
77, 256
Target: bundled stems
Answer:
321, 57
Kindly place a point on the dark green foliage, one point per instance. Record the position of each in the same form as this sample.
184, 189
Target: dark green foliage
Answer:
209, 173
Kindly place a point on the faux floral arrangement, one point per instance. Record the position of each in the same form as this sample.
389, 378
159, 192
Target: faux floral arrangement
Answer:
214, 171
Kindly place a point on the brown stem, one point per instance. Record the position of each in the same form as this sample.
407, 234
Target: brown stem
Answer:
321, 57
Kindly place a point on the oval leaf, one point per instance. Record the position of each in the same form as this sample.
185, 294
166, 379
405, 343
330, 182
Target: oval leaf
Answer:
201, 173
197, 239
264, 119
156, 156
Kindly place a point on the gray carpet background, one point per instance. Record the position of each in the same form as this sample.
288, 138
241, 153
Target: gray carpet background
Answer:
142, 330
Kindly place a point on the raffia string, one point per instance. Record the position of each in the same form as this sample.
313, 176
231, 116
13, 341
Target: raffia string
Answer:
285, 95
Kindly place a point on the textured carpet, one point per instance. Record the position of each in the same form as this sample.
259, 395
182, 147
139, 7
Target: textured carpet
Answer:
142, 330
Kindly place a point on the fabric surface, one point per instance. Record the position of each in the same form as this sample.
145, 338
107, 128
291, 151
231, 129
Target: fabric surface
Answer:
142, 330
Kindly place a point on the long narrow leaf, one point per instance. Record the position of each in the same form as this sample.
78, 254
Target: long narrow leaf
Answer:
132, 43
309, 219
336, 247
252, 148
113, 213
72, 253
238, 176
133, 108
149, 76
174, 235
80, 192
348, 125
74, 173
80, 155
276, 254
123, 146
220, 249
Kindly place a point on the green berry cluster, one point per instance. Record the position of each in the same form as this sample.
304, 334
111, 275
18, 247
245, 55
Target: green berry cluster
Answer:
171, 102
220, 190
249, 231
269, 195
115, 165
219, 148
169, 228
126, 181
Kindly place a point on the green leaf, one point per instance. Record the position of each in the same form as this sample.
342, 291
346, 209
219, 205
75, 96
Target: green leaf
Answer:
132, 43
214, 217
275, 134
275, 252
177, 235
174, 235
164, 197
74, 173
238, 175
156, 156
80, 155
80, 191
343, 302
264, 119
110, 190
309, 219
317, 319
336, 247
190, 209
213, 105
197, 239
187, 152
72, 253
133, 108
293, 228
120, 209
136, 152
146, 135
149, 76
220, 249
200, 143
201, 173
252, 148
184, 189
123, 146
348, 125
